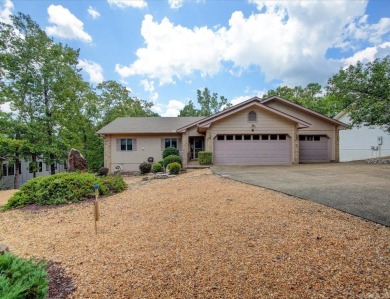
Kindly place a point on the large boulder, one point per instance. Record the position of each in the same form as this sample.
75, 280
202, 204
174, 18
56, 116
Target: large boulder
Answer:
76, 161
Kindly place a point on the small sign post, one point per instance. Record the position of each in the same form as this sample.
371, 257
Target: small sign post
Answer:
96, 205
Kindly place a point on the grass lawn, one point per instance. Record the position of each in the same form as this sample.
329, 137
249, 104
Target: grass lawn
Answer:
202, 236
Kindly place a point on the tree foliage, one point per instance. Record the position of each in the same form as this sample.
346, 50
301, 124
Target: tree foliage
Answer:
209, 104
53, 108
364, 91
310, 97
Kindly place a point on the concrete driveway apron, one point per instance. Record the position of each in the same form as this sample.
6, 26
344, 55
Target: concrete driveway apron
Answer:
356, 188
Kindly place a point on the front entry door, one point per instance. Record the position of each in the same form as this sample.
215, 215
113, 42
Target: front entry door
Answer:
197, 146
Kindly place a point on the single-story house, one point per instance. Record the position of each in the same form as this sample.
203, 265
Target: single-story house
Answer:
25, 173
269, 131
362, 143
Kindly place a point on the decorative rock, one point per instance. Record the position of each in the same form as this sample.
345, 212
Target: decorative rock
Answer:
76, 161
145, 178
160, 176
3, 248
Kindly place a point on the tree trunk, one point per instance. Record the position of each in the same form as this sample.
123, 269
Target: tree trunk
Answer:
16, 176
34, 163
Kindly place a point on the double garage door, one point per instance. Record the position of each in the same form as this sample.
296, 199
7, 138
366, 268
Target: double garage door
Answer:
264, 149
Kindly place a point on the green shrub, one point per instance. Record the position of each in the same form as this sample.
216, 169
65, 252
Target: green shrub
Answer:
169, 151
170, 159
205, 158
161, 163
174, 168
22, 279
145, 167
113, 183
157, 167
63, 188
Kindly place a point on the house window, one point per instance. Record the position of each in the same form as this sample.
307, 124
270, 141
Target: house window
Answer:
238, 137
11, 169
20, 168
221, 137
264, 137
40, 167
252, 116
170, 142
282, 137
256, 137
229, 137
4, 169
274, 137
126, 144
247, 137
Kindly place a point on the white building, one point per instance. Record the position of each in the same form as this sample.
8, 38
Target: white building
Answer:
362, 143
25, 173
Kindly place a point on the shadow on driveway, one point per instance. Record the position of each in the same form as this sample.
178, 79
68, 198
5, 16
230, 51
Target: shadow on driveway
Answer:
359, 189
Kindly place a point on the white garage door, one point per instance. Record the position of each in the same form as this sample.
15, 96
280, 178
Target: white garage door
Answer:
313, 148
265, 149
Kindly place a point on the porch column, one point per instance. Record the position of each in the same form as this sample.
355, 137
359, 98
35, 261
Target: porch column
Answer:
337, 144
296, 146
184, 148
209, 143
107, 152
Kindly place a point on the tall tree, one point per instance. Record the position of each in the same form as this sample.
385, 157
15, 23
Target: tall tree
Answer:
364, 91
40, 80
310, 97
115, 101
209, 104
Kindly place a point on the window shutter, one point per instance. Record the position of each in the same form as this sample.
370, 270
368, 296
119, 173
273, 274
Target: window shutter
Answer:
162, 143
179, 144
118, 144
134, 144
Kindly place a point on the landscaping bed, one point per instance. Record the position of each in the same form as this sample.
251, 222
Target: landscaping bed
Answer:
199, 235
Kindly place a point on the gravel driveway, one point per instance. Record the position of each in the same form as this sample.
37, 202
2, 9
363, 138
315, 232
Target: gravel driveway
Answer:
202, 236
356, 188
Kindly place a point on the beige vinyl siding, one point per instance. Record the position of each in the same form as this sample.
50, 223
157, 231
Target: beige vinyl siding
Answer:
317, 127
238, 123
146, 146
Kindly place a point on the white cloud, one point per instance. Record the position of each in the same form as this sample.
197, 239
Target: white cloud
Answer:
93, 69
5, 107
175, 4
250, 94
173, 108
93, 12
65, 24
6, 11
362, 30
368, 54
174, 51
128, 3
149, 87
285, 40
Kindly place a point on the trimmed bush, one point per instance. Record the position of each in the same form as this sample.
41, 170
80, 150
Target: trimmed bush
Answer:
65, 187
169, 151
103, 171
113, 184
157, 167
174, 168
145, 167
205, 158
170, 159
20, 278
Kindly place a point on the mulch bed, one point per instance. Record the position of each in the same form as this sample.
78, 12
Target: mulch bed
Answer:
199, 235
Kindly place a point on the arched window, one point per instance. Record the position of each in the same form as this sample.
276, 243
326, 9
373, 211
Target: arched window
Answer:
252, 116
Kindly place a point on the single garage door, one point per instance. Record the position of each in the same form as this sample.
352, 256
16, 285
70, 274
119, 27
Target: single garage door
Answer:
264, 149
313, 148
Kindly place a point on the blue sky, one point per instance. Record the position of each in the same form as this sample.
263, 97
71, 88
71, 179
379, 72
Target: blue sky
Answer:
164, 50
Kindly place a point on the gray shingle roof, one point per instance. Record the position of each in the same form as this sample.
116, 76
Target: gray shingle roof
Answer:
147, 125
